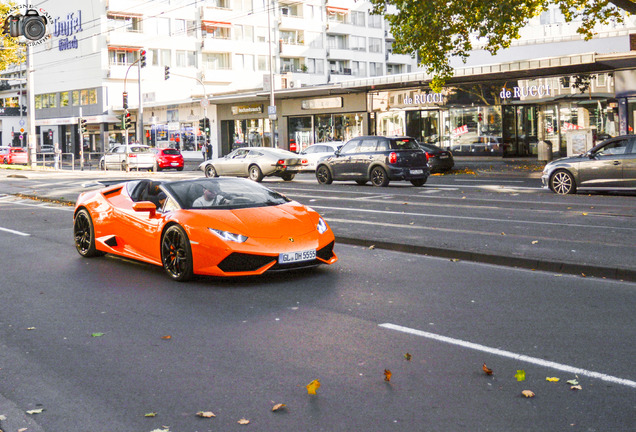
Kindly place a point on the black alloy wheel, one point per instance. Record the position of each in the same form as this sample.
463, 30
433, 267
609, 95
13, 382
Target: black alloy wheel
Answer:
379, 177
562, 183
255, 173
323, 175
84, 235
209, 171
176, 254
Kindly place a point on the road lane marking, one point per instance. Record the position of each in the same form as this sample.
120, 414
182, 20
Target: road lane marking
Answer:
488, 181
20, 233
480, 219
42, 205
509, 354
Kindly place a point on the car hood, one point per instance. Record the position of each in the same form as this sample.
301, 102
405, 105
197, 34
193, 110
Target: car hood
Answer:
273, 222
566, 160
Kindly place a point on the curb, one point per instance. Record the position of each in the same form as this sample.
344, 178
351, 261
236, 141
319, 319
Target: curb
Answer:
583, 270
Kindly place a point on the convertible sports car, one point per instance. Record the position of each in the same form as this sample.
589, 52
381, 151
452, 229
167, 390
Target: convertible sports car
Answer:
210, 226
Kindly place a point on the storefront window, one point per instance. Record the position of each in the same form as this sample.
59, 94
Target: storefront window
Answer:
391, 123
300, 132
337, 127
475, 130
423, 126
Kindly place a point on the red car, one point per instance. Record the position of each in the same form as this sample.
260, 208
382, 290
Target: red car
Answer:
168, 158
16, 155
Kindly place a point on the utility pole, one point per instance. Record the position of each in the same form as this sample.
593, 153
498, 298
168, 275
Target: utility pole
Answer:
271, 110
31, 142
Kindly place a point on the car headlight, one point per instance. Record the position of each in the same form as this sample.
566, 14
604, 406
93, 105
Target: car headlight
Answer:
322, 226
228, 236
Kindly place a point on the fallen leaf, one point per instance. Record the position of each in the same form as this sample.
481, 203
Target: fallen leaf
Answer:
583, 275
552, 379
572, 382
408, 356
535, 241
454, 259
372, 247
520, 375
161, 430
168, 337
278, 407
35, 411
584, 214
243, 421
97, 334
2, 417
30, 328
576, 387
206, 414
503, 233
528, 393
151, 414
22, 429
313, 386
387, 375
486, 369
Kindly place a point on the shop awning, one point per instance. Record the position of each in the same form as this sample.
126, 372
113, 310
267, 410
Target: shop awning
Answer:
112, 14
340, 10
216, 24
124, 48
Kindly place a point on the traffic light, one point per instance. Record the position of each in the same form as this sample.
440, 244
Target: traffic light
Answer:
125, 104
82, 125
166, 73
202, 124
127, 120
206, 126
142, 58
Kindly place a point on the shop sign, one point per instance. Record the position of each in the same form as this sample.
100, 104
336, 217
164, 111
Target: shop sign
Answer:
322, 103
424, 98
526, 91
247, 109
68, 27
460, 130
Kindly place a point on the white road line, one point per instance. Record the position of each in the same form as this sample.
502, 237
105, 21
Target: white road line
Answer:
488, 181
509, 354
481, 219
39, 205
20, 233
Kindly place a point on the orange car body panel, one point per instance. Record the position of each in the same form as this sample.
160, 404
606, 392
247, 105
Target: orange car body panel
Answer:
121, 230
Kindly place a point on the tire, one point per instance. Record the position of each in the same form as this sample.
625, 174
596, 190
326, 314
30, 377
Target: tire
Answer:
123, 166
176, 254
84, 235
379, 177
255, 173
323, 175
102, 166
209, 171
156, 167
288, 177
180, 169
562, 183
418, 182
361, 182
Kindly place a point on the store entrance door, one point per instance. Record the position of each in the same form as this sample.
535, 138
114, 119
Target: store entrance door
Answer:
519, 130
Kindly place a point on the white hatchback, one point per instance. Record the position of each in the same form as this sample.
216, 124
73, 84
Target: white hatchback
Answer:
315, 152
137, 157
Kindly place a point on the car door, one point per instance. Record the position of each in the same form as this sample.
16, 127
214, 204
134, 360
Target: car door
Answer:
365, 156
604, 166
629, 165
111, 158
341, 163
234, 165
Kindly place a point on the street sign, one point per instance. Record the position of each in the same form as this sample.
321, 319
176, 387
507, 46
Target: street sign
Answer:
205, 102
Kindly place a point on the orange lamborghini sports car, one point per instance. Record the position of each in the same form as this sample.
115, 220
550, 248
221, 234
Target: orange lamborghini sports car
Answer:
211, 226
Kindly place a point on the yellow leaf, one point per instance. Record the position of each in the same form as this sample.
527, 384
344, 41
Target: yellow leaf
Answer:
35, 411
387, 375
576, 387
313, 386
503, 233
408, 356
279, 406
528, 393
243, 421
520, 375
372, 247
535, 241
206, 414
486, 369
152, 414
552, 379
168, 337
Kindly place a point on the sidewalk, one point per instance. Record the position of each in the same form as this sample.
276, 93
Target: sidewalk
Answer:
526, 167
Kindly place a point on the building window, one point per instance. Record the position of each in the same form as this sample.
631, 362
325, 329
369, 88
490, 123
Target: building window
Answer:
290, 65
263, 63
375, 45
336, 15
337, 41
375, 69
358, 43
75, 98
64, 99
375, 21
221, 4
179, 27
315, 40
339, 67
244, 33
186, 58
291, 10
124, 22
358, 69
122, 57
38, 102
217, 61
316, 66
392, 69
357, 18
244, 62
163, 26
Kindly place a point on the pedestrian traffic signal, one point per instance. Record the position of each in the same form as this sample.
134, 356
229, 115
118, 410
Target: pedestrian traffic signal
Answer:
82, 125
166, 73
142, 58
125, 103
127, 120
204, 125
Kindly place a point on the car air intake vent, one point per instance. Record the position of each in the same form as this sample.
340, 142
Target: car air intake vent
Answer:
326, 253
240, 262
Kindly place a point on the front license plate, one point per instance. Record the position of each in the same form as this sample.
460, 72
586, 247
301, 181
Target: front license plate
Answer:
416, 171
291, 257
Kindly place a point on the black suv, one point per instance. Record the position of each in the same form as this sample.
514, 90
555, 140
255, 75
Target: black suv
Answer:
377, 159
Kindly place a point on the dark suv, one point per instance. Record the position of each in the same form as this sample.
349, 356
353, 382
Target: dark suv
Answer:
377, 159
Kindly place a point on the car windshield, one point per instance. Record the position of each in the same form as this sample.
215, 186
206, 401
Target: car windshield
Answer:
140, 149
171, 151
232, 193
404, 144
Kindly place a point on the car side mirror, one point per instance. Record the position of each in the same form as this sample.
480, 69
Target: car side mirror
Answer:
337, 152
145, 206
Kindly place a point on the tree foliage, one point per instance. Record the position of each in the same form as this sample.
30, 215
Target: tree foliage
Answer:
436, 30
10, 50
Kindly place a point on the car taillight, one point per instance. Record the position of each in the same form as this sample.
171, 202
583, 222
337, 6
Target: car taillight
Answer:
132, 155
428, 156
280, 162
393, 157
304, 161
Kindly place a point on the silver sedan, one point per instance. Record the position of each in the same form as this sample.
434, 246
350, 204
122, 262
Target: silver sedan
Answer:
255, 163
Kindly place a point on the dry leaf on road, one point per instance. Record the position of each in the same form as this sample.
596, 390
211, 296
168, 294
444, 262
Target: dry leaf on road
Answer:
528, 393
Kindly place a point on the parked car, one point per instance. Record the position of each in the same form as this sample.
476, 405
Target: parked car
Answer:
139, 157
250, 231
610, 165
315, 152
377, 159
168, 158
3, 151
255, 163
438, 159
16, 155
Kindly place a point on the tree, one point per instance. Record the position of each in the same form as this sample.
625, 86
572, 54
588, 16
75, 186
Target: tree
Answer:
436, 30
10, 50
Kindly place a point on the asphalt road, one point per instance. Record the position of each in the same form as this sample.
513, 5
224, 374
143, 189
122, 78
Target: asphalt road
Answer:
84, 340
